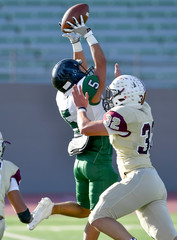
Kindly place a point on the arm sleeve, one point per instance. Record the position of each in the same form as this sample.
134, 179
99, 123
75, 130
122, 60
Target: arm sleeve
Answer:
90, 85
13, 185
17, 176
115, 124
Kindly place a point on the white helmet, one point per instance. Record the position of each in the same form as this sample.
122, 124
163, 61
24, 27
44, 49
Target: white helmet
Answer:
2, 145
125, 90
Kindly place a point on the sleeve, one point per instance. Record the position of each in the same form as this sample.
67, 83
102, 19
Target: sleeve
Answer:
13, 185
17, 176
115, 124
90, 85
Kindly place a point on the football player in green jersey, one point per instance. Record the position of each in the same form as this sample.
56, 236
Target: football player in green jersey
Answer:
9, 185
93, 170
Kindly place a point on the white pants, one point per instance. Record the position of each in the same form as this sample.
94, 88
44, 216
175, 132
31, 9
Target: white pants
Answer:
144, 192
2, 227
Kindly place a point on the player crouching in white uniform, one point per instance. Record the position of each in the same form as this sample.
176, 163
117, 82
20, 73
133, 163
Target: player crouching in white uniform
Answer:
129, 124
9, 180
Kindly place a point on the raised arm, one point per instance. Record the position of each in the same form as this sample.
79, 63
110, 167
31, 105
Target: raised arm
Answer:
100, 69
78, 52
96, 51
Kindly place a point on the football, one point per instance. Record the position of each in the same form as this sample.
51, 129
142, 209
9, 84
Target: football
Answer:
75, 11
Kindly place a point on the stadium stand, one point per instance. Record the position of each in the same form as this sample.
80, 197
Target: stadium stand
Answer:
140, 35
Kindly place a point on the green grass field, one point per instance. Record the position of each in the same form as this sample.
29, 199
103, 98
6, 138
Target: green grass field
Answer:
67, 228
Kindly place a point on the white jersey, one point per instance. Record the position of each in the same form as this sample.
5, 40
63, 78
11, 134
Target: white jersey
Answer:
130, 132
141, 189
7, 171
98, 148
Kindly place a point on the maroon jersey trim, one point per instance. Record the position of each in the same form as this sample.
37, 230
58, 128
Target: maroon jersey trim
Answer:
17, 176
116, 122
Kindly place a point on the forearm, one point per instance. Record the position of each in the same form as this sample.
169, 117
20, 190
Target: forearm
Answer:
16, 201
86, 126
98, 56
96, 51
82, 121
80, 55
90, 128
100, 64
19, 206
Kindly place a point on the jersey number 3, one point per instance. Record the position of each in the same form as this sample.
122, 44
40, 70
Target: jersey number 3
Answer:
146, 132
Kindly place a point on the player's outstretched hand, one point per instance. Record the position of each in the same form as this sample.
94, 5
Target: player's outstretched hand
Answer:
79, 99
117, 71
80, 28
73, 37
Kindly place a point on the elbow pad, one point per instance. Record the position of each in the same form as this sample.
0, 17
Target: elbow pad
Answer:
25, 216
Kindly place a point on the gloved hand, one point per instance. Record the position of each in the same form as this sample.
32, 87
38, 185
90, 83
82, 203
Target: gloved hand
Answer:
73, 37
79, 28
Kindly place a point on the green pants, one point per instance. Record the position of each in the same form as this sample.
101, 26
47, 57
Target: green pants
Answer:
91, 180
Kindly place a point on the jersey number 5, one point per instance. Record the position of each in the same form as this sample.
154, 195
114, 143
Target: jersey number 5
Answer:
93, 84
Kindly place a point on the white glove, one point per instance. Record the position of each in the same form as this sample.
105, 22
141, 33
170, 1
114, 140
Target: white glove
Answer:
79, 28
73, 37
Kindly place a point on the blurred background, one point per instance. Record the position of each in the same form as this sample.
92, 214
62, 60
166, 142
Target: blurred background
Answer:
140, 35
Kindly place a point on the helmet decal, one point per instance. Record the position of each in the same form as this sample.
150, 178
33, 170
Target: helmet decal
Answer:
67, 85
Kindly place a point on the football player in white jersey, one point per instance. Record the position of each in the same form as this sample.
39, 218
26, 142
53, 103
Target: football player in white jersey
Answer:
129, 124
9, 180
93, 170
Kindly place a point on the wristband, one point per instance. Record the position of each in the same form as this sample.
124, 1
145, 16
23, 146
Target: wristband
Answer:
77, 47
82, 109
25, 216
91, 40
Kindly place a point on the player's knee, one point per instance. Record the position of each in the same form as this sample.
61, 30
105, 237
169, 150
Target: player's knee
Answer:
97, 223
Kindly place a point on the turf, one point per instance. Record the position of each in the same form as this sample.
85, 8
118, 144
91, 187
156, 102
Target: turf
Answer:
60, 227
